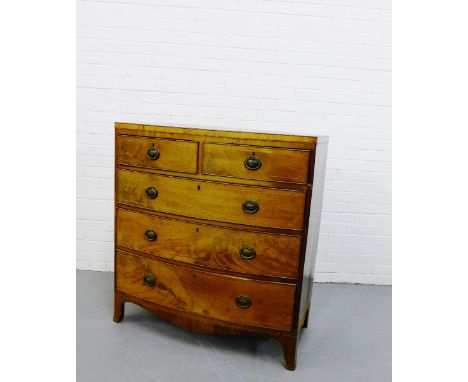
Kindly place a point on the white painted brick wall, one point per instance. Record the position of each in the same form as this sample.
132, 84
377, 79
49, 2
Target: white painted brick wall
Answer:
307, 67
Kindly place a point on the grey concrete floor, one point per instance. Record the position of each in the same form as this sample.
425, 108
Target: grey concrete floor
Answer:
348, 339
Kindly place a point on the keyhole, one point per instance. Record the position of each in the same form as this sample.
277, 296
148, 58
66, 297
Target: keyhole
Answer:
197, 229
198, 187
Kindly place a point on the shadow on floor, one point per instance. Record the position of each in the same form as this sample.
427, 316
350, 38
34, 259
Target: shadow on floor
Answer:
348, 339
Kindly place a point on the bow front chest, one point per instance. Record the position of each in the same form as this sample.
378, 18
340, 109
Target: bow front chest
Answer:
216, 231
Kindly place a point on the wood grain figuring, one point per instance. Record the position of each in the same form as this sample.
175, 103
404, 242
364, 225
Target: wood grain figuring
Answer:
177, 250
211, 200
279, 165
207, 294
210, 246
174, 155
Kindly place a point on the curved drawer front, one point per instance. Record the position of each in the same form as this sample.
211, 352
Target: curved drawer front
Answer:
211, 200
253, 162
162, 154
216, 247
227, 298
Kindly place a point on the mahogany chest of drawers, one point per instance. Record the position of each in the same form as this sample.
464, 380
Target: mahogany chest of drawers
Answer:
217, 231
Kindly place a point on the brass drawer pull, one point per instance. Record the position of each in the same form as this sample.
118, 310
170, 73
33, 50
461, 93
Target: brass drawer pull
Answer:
149, 280
250, 206
253, 163
153, 153
247, 253
151, 193
151, 235
243, 302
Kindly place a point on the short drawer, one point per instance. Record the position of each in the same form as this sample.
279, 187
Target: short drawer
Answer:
155, 153
253, 162
251, 205
210, 246
234, 299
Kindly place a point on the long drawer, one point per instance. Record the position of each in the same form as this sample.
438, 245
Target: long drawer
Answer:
233, 299
210, 246
250, 205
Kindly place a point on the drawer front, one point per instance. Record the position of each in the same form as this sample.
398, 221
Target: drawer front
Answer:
252, 162
216, 247
207, 294
162, 154
211, 200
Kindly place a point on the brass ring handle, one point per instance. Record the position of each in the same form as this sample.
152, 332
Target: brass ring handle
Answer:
253, 163
151, 235
151, 193
153, 153
149, 280
250, 206
247, 253
243, 302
